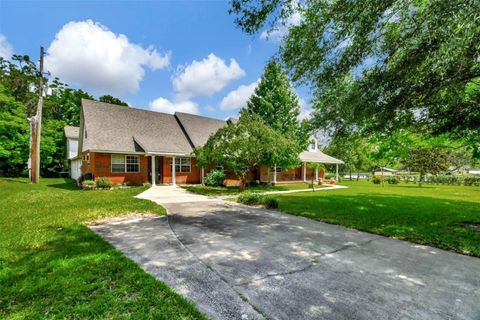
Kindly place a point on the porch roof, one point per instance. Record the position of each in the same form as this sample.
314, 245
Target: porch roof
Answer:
318, 157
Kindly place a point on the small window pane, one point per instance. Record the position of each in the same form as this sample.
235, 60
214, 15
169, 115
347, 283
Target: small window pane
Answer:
117, 159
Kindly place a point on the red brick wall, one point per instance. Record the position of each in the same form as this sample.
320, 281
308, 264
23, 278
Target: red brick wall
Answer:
193, 177
100, 166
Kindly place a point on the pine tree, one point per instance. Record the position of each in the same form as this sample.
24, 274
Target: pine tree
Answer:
276, 103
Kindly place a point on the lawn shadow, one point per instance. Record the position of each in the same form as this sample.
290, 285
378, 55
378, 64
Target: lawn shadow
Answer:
69, 184
77, 274
16, 180
420, 219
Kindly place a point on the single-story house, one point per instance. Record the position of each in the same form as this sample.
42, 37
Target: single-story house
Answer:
129, 145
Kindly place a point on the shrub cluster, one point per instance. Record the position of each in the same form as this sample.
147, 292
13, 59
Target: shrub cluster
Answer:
376, 180
101, 183
250, 198
393, 180
104, 183
88, 185
215, 178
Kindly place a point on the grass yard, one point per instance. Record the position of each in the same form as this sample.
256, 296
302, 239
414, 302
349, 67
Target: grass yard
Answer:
431, 215
225, 191
52, 266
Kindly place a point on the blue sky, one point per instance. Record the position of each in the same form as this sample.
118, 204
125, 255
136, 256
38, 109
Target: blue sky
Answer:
164, 56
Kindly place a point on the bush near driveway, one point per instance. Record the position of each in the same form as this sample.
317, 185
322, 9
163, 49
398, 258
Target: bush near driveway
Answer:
53, 266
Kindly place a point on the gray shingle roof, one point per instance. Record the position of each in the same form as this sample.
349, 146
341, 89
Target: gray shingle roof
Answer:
123, 129
71, 132
199, 128
319, 157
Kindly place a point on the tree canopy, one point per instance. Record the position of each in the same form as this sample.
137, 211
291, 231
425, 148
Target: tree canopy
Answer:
238, 147
18, 101
381, 65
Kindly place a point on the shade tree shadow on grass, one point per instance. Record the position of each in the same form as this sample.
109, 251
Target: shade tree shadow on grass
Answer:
78, 275
420, 219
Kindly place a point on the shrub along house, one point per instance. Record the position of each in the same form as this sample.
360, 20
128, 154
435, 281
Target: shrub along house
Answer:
136, 146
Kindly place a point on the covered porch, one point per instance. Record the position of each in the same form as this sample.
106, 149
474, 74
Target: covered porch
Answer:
303, 173
185, 171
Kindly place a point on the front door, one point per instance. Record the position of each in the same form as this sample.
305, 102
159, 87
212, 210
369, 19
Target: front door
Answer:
159, 169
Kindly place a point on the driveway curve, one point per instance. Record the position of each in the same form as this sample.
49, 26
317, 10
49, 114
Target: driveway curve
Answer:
258, 263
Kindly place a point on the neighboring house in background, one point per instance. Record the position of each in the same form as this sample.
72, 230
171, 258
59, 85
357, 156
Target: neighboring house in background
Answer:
386, 171
127, 145
75, 163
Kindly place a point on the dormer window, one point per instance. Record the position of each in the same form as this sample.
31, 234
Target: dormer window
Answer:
313, 146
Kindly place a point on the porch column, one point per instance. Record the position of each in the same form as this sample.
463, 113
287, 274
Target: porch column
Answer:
316, 173
274, 175
336, 172
202, 172
305, 172
174, 174
154, 175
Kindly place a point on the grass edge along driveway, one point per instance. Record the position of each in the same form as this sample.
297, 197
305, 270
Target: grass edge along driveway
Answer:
433, 215
53, 266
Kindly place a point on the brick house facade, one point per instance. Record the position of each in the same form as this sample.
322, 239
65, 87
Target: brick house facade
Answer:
135, 146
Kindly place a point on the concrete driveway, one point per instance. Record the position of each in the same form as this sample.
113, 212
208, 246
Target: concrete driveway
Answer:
237, 262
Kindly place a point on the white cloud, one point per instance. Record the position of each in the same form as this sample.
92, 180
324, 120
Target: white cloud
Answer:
238, 98
281, 29
6, 49
167, 106
88, 54
305, 109
206, 77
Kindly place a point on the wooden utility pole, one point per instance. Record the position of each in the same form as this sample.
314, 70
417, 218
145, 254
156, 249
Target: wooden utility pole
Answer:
36, 129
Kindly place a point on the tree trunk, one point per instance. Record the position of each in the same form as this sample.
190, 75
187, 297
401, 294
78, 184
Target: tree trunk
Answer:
358, 176
420, 180
383, 184
241, 185
350, 174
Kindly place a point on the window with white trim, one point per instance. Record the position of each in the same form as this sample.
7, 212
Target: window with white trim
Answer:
279, 169
86, 158
182, 165
124, 163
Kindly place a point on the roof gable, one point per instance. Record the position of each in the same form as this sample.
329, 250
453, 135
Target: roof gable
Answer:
109, 127
71, 132
198, 128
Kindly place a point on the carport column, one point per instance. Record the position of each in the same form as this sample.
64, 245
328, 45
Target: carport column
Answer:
174, 174
316, 173
154, 178
202, 172
305, 172
336, 172
274, 174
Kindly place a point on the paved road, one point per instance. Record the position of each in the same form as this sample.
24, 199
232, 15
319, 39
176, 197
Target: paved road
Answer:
237, 262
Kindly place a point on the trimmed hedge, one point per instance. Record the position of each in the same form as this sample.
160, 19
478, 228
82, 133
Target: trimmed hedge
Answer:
444, 179
251, 199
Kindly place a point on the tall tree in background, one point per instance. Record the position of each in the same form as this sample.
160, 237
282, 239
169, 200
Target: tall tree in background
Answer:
427, 160
109, 99
276, 103
408, 63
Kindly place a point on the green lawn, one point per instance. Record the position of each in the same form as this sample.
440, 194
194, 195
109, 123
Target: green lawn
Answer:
225, 191
432, 215
52, 266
